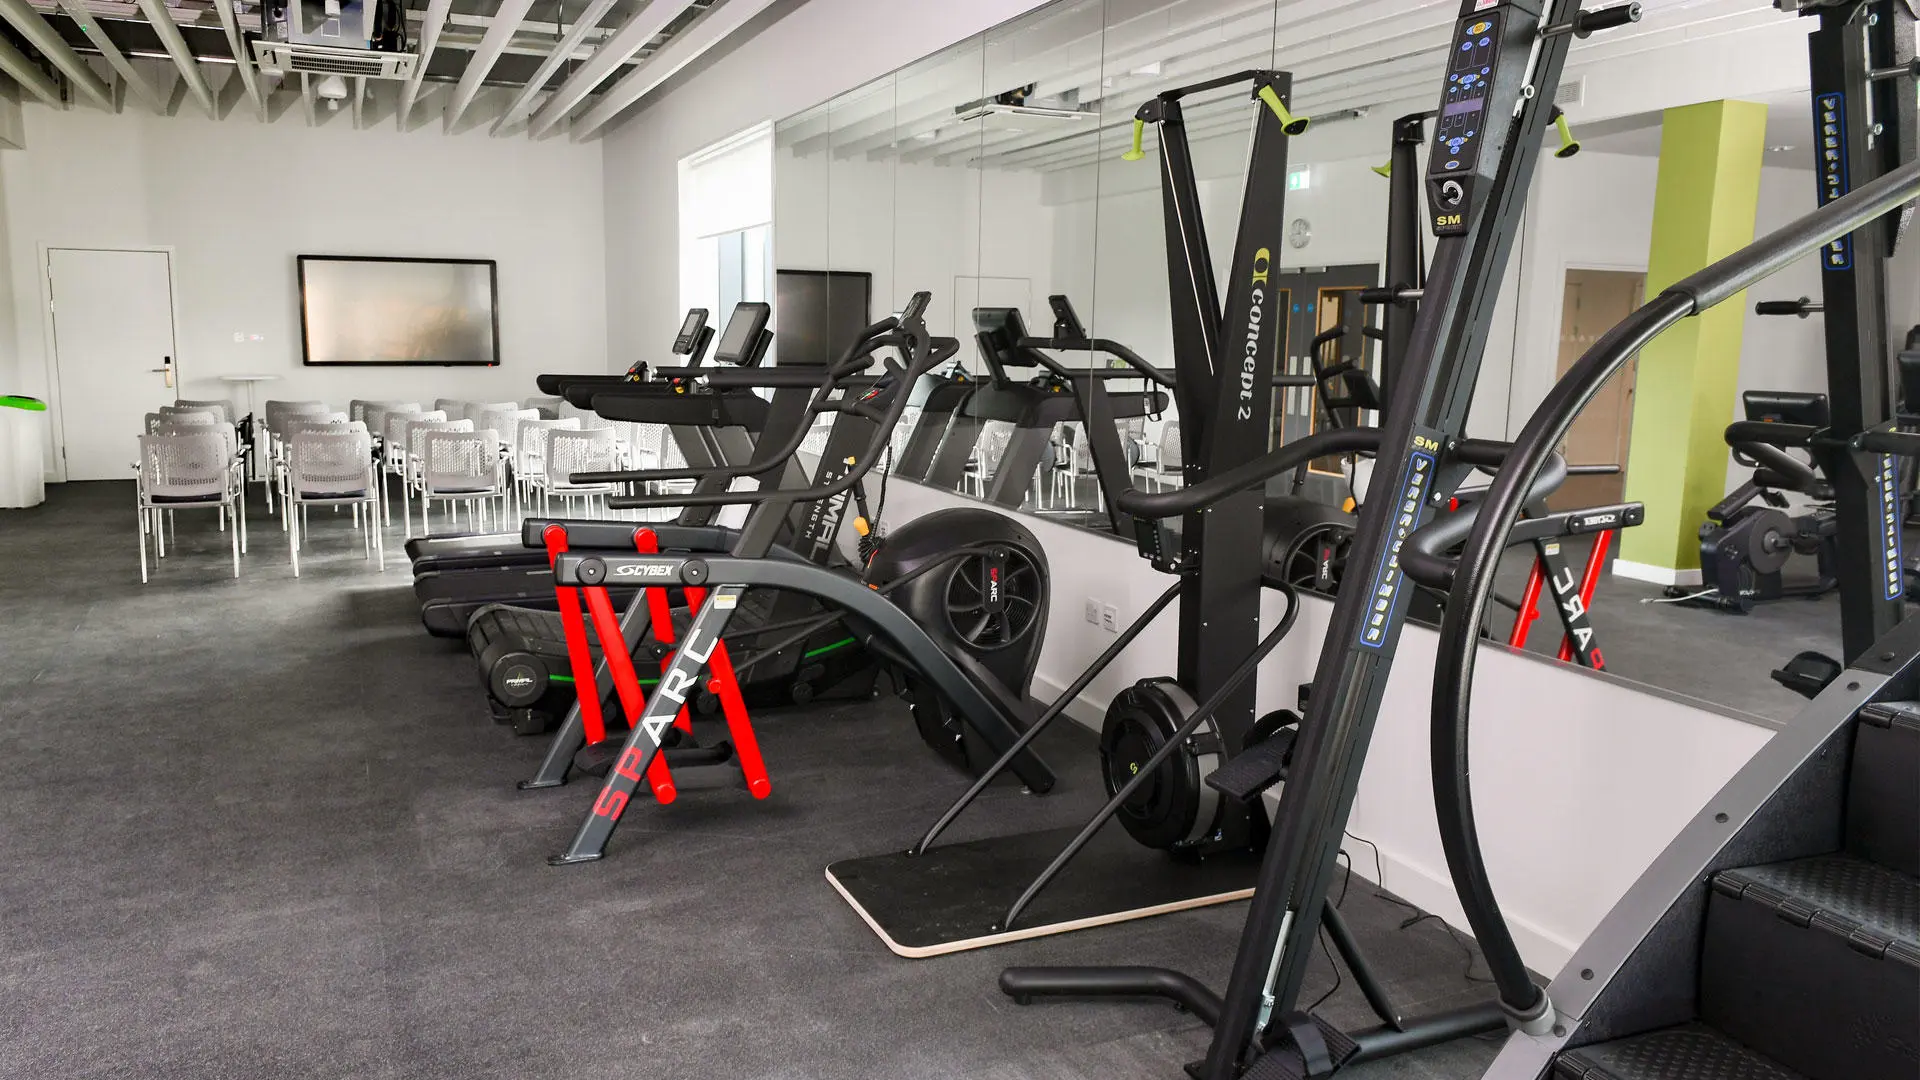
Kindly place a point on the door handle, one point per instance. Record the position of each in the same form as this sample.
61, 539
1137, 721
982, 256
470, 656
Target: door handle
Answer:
166, 369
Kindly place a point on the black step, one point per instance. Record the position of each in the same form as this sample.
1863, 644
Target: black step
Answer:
1688, 1052
1256, 768
1816, 963
1883, 792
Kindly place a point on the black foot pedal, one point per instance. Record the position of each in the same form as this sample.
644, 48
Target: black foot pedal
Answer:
1256, 768
1311, 1048
1808, 673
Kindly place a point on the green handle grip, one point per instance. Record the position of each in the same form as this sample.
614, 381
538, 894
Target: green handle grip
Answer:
1385, 170
1569, 145
1289, 123
1139, 137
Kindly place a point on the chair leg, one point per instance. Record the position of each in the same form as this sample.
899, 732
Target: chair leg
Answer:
142, 512
380, 549
233, 539
406, 507
293, 550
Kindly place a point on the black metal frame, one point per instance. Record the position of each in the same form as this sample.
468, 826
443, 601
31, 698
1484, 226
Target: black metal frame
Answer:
1856, 216
989, 709
1476, 186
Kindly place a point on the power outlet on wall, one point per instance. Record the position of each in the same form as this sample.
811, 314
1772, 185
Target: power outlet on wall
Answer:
1110, 619
1093, 611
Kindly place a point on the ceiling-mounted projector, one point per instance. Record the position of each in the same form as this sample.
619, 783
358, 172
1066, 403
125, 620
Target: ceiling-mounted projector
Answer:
329, 37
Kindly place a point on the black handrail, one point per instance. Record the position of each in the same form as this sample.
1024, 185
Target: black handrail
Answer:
1166, 504
1504, 502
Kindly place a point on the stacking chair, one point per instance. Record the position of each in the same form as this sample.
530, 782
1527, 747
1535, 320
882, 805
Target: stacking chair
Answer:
570, 452
530, 454
195, 470
455, 409
995, 435
356, 410
332, 468
549, 406
276, 413
187, 417
223, 408
413, 476
376, 416
393, 451
457, 467
1166, 467
301, 424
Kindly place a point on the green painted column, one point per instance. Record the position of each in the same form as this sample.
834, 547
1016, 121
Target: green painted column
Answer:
1703, 209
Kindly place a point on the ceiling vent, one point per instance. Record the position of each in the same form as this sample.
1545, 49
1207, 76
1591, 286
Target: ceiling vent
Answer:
283, 56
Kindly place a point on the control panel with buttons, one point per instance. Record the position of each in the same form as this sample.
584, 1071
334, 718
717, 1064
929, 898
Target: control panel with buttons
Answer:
1458, 131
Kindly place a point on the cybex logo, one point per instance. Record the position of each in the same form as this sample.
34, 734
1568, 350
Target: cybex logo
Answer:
1256, 309
643, 570
1591, 521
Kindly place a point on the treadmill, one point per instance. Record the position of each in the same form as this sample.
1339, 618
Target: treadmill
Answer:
1032, 406
480, 550
504, 571
787, 646
937, 396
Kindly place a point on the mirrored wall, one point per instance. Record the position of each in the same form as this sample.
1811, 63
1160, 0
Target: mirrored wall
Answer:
994, 175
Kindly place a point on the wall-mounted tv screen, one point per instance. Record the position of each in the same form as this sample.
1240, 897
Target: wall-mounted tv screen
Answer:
818, 312
365, 310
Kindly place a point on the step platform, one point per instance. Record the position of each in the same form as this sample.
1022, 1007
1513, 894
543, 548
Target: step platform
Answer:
1687, 1052
1815, 963
952, 898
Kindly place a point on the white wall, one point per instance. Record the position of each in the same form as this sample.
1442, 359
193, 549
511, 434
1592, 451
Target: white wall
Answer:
237, 200
801, 60
914, 227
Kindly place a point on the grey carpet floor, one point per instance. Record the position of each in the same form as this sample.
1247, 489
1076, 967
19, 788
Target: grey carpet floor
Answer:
262, 828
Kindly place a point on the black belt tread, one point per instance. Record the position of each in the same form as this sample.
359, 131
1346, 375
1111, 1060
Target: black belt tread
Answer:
1688, 1052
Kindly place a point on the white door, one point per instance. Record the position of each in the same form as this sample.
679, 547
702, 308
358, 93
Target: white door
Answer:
112, 345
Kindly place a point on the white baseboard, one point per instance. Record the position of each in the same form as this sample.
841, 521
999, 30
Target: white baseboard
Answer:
1659, 575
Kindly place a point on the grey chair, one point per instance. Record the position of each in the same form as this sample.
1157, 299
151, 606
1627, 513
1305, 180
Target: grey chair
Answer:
188, 471
1166, 468
571, 452
530, 453
332, 468
224, 408
414, 476
460, 467
549, 406
393, 451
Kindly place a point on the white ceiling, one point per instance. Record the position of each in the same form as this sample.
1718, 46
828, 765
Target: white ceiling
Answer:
1343, 54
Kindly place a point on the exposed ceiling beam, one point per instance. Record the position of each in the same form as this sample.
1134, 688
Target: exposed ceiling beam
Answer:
129, 75
505, 20
28, 74
163, 26
522, 102
43, 37
686, 47
430, 27
639, 31
249, 79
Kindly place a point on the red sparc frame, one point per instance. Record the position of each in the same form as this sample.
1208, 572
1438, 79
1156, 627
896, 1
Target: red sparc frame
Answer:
626, 681
1530, 598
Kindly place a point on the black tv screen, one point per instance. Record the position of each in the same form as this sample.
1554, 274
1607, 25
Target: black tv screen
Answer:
819, 312
367, 310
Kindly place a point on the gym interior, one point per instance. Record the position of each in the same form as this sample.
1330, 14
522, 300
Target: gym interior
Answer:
895, 538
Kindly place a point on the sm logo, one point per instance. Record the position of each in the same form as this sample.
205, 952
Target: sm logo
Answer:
1443, 221
1421, 442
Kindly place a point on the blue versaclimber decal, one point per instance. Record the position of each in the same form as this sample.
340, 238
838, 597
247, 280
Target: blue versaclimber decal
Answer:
1387, 577
1830, 152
